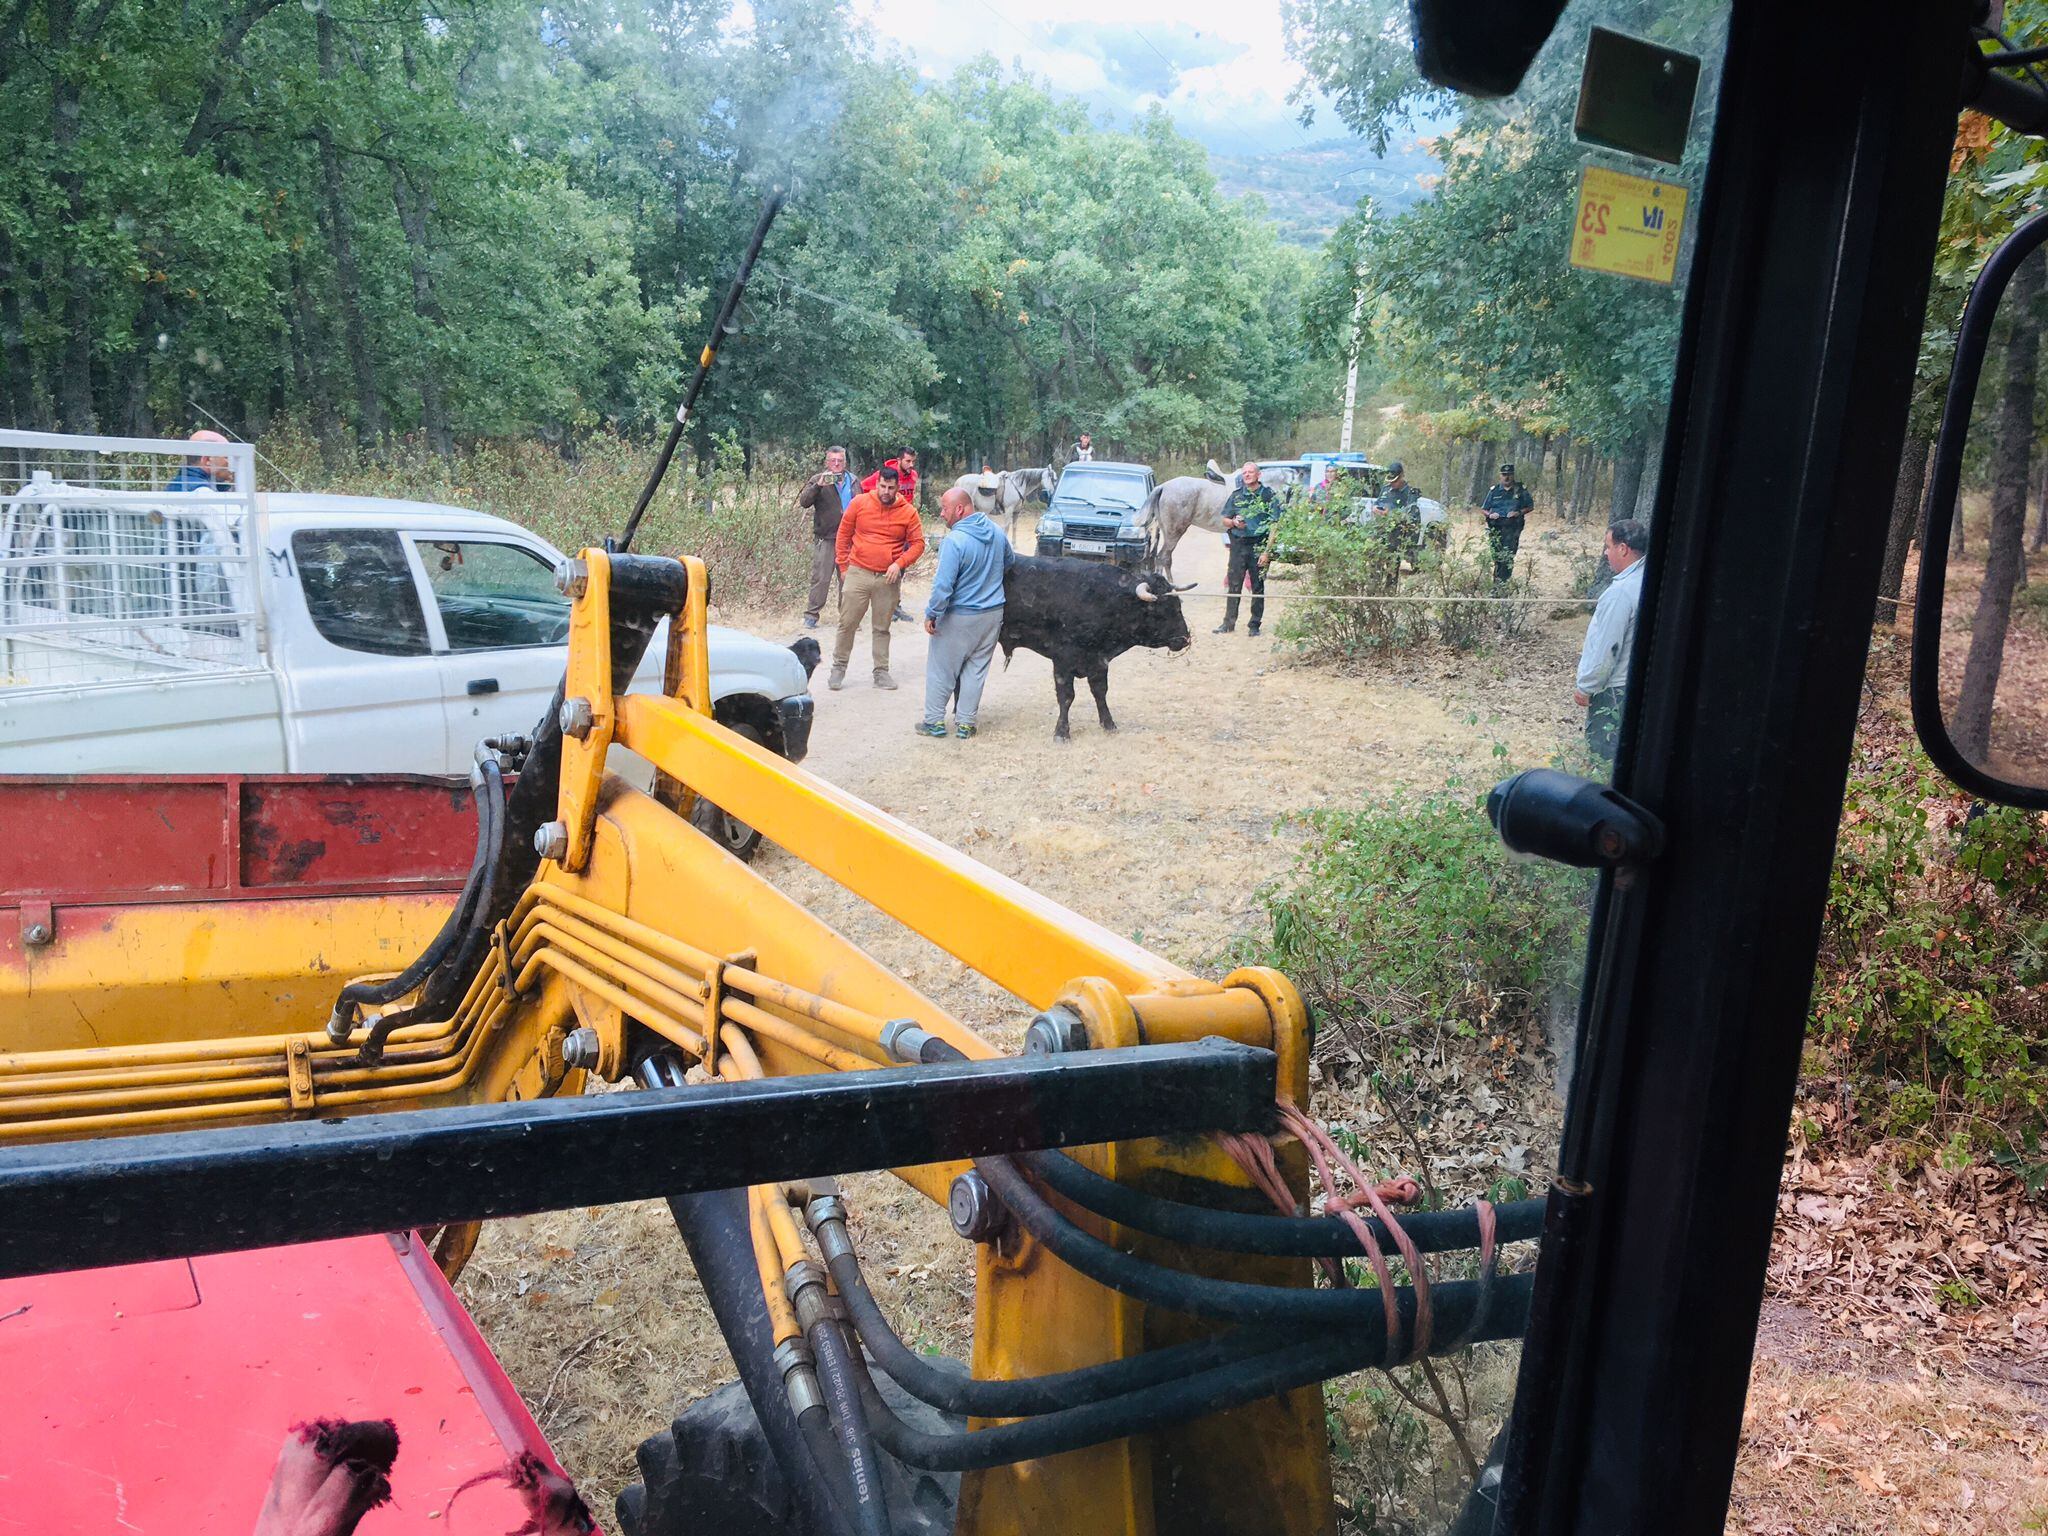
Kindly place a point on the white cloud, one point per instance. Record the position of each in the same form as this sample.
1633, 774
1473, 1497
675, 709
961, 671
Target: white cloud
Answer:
1219, 66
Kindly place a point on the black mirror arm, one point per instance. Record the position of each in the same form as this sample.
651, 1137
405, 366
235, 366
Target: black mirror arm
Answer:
1937, 520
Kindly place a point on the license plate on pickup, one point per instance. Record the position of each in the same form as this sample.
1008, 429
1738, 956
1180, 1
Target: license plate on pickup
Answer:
1088, 546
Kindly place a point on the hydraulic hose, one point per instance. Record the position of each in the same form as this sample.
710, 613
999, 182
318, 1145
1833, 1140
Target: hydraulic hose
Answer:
1023, 1395
1198, 1395
1198, 1295
836, 1374
1280, 1236
491, 804
716, 1230
815, 1425
489, 827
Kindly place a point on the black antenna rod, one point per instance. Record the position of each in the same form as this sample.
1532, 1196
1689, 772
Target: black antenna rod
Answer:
725, 325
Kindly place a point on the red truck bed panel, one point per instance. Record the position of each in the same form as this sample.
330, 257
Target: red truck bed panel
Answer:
153, 1398
174, 837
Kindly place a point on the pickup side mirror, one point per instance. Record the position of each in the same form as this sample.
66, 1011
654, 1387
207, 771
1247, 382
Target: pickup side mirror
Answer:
1980, 625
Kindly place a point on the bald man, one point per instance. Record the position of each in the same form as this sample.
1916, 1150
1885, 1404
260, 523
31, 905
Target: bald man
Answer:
204, 471
963, 615
1248, 514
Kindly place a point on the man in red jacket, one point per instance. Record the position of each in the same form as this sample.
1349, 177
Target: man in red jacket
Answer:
879, 539
905, 465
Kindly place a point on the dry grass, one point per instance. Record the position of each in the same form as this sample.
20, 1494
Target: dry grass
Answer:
1833, 1447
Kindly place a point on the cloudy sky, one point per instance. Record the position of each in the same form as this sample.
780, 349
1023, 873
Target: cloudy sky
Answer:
1220, 66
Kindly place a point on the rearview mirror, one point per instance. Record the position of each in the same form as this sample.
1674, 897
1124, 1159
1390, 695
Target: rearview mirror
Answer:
1980, 621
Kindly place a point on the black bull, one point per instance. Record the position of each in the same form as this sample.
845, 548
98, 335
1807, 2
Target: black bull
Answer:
1081, 614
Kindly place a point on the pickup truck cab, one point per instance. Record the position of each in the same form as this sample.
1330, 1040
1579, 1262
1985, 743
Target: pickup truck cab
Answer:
203, 632
1094, 512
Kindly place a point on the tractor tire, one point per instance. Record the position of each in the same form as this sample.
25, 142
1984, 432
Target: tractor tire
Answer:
729, 832
714, 1474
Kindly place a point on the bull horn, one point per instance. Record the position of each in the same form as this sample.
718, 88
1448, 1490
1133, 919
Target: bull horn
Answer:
1187, 586
1146, 594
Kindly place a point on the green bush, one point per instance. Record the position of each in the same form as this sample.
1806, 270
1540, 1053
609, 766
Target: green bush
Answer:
1410, 917
744, 525
1390, 589
1928, 997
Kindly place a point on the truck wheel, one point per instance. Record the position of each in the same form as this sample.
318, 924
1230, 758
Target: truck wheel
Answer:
713, 1474
729, 832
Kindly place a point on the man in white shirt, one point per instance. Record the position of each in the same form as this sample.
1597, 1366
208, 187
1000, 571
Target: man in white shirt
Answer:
1603, 664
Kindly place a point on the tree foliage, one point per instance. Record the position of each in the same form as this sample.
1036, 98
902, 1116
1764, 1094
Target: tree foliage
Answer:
1469, 299
494, 218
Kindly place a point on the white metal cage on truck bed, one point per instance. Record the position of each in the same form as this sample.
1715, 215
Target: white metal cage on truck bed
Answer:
110, 572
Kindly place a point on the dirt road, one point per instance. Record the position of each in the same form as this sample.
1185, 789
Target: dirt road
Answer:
1164, 831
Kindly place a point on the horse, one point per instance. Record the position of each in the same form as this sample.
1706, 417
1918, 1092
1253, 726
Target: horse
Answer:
1003, 495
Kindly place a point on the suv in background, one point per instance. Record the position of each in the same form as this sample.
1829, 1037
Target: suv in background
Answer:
1094, 512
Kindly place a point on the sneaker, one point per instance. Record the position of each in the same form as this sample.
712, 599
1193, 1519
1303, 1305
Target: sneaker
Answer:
1223, 629
884, 680
837, 680
810, 621
964, 732
936, 729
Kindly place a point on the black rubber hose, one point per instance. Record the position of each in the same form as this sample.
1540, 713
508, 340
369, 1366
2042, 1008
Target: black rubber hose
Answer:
815, 1424
1018, 1397
646, 589
1216, 1390
849, 1417
476, 900
355, 994
1231, 1300
717, 1231
1279, 1236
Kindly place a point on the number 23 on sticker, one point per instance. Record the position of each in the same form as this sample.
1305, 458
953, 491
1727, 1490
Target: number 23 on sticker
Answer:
1628, 225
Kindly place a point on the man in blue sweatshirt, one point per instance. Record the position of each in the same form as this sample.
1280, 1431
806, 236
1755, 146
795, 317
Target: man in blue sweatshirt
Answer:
963, 614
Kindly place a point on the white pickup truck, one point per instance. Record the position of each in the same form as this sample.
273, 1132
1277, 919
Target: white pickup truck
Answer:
221, 629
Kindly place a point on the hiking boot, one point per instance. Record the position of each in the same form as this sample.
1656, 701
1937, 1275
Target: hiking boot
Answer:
837, 680
936, 729
964, 732
885, 681
810, 621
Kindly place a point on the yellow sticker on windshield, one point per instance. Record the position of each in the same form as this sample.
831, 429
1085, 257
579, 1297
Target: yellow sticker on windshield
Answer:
1628, 225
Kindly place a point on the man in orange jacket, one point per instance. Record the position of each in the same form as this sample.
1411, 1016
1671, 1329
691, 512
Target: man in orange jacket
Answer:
879, 539
905, 465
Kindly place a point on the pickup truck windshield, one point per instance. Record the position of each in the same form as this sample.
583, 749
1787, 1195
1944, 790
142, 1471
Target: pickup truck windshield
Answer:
1101, 488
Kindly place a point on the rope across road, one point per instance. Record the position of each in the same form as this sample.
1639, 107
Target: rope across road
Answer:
1396, 597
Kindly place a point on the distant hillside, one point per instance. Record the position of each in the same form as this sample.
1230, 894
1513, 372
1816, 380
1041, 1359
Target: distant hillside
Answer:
1310, 189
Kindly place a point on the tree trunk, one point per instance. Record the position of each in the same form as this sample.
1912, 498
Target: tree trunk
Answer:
1585, 482
1646, 489
23, 398
149, 319
1483, 463
307, 371
414, 204
347, 285
1628, 480
1905, 522
2012, 460
74, 369
2041, 504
